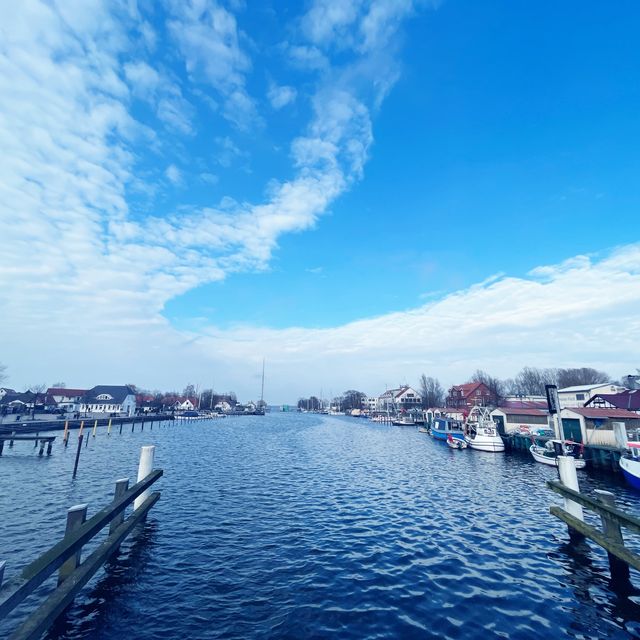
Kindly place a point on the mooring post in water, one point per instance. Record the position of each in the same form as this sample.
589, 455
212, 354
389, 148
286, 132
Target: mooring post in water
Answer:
41, 452
3, 564
75, 466
35, 444
145, 467
142, 425
611, 529
121, 428
109, 428
65, 436
133, 424
76, 517
95, 426
13, 433
121, 487
569, 478
49, 447
81, 428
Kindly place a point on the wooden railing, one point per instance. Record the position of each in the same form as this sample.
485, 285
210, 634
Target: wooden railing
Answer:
610, 537
64, 557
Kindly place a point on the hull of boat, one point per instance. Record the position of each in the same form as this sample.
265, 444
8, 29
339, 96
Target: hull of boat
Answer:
487, 443
456, 443
551, 460
631, 471
443, 435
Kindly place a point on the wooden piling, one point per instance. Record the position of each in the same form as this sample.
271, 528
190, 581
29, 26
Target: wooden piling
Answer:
122, 486
109, 428
121, 428
76, 517
95, 427
3, 564
145, 467
81, 428
75, 466
41, 452
569, 478
49, 447
65, 437
611, 529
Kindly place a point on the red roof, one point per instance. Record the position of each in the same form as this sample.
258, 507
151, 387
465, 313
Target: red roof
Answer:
590, 412
524, 404
468, 388
524, 411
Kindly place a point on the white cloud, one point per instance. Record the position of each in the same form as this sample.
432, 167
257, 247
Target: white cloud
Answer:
173, 174
280, 97
208, 38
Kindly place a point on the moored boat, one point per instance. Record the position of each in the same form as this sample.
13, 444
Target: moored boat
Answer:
442, 427
547, 454
630, 464
481, 432
404, 421
456, 443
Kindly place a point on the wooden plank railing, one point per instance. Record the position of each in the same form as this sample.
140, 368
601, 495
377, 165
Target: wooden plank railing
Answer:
610, 537
65, 556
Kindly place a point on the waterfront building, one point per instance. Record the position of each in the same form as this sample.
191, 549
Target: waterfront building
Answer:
593, 425
110, 399
65, 399
580, 394
471, 394
403, 398
628, 399
521, 418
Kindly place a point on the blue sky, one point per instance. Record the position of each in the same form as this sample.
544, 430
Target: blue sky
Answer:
358, 191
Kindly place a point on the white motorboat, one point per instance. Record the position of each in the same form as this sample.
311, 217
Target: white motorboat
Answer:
547, 454
481, 432
630, 464
456, 443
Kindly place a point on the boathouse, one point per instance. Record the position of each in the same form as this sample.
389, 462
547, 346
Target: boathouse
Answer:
593, 425
579, 395
520, 419
628, 399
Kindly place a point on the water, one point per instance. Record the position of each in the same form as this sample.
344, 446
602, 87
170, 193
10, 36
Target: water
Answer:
299, 526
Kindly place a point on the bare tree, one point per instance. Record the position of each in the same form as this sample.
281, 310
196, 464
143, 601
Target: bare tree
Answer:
531, 381
431, 391
189, 391
3, 372
59, 385
37, 390
583, 375
352, 399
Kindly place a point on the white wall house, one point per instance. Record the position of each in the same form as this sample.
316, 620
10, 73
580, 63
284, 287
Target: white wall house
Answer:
403, 397
184, 404
520, 419
110, 399
369, 404
578, 395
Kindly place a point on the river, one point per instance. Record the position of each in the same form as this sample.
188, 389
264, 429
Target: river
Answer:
302, 526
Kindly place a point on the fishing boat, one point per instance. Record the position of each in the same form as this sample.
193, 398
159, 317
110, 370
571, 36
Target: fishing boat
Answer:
481, 432
441, 428
630, 464
548, 453
456, 443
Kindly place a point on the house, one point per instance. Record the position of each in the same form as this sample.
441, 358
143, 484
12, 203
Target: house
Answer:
593, 425
628, 399
17, 402
465, 396
223, 406
577, 396
66, 399
522, 418
369, 404
6, 390
401, 399
109, 399
183, 403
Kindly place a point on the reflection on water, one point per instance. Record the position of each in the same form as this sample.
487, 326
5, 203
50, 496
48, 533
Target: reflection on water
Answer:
298, 526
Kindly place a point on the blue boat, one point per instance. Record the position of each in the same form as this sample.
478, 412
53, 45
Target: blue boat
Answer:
442, 427
630, 465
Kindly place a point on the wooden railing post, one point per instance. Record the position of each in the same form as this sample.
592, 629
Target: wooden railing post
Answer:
121, 487
76, 517
611, 529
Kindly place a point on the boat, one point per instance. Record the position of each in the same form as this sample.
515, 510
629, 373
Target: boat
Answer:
442, 427
456, 443
423, 430
404, 421
630, 464
547, 454
481, 432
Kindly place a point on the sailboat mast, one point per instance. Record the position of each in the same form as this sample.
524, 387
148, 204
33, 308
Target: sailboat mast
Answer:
262, 387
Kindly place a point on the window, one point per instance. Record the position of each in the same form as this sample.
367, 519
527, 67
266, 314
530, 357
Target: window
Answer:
579, 396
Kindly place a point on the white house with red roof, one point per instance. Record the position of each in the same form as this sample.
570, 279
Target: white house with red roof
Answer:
593, 425
63, 398
402, 398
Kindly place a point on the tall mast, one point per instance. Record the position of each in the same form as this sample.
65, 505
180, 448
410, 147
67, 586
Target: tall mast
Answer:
262, 388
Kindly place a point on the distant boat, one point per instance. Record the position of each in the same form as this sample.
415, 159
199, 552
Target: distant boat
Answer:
481, 432
404, 421
442, 427
630, 464
547, 454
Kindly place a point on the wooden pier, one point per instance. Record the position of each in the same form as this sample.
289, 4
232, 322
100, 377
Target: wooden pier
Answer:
65, 556
38, 440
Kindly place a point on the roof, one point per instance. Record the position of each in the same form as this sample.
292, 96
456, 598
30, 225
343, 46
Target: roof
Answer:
467, 388
629, 399
523, 411
117, 392
586, 387
62, 391
592, 412
523, 404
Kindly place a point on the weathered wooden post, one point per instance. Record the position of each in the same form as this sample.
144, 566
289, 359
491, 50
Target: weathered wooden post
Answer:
611, 529
569, 478
13, 433
35, 443
95, 427
121, 487
133, 424
81, 427
76, 517
121, 428
75, 466
145, 467
65, 436
49, 447
1, 446
41, 452
142, 425
109, 428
